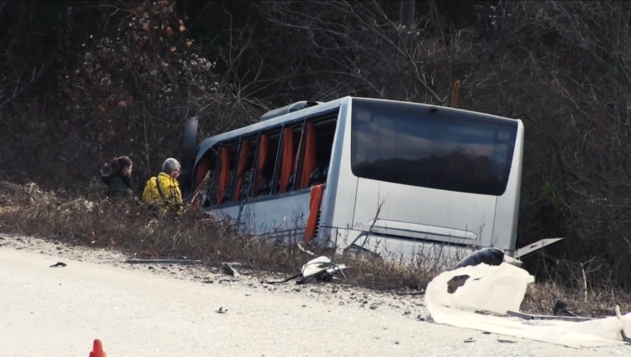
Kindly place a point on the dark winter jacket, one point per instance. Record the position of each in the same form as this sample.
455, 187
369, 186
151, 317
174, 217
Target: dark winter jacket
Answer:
119, 186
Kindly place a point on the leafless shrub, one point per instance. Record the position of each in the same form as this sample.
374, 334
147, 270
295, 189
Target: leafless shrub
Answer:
129, 227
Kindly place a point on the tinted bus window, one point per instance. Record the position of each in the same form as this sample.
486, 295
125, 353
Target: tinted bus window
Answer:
407, 144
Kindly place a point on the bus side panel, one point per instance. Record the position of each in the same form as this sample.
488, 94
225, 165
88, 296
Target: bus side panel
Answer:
507, 210
338, 203
429, 254
283, 217
417, 207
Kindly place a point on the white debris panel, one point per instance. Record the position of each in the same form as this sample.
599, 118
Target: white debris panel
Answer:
499, 289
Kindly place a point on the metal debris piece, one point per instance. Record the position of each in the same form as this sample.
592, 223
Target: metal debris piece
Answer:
501, 340
221, 310
468, 340
321, 269
229, 270
318, 269
305, 251
163, 261
560, 309
412, 293
546, 317
490, 256
58, 264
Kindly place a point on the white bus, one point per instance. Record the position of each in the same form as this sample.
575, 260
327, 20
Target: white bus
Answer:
359, 174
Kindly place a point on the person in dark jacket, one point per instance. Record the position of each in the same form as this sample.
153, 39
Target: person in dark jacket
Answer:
119, 182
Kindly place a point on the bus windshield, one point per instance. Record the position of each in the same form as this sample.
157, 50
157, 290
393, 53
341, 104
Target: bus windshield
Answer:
408, 144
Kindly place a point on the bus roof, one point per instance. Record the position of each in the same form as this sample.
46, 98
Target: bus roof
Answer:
207, 143
290, 117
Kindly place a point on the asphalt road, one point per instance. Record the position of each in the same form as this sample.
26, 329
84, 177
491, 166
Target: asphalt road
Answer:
59, 312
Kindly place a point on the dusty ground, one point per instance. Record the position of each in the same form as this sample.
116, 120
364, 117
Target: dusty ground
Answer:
171, 311
410, 306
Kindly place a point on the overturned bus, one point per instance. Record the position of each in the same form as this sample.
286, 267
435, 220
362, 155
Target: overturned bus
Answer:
371, 175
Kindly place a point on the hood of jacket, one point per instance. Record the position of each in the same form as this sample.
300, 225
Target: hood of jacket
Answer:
107, 179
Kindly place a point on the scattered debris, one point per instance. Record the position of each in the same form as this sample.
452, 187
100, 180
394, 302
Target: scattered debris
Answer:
411, 293
221, 310
162, 261
59, 264
502, 340
546, 317
500, 290
489, 256
229, 270
306, 251
468, 340
319, 269
560, 309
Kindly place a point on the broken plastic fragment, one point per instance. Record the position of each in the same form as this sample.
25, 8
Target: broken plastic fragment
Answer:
502, 288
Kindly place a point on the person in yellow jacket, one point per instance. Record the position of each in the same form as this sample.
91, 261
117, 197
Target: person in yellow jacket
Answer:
163, 190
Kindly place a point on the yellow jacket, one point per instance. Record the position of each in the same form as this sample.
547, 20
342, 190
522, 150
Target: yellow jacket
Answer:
166, 194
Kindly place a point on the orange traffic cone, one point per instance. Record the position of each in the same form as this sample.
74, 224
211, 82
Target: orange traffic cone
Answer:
97, 349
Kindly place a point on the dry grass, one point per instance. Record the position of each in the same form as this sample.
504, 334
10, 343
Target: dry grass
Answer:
540, 299
130, 228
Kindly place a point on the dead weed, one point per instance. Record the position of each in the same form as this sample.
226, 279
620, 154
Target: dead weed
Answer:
131, 228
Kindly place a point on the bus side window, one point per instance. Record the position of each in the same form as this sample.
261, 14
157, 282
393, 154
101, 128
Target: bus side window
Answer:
324, 136
227, 166
292, 137
267, 170
309, 156
244, 169
314, 154
204, 178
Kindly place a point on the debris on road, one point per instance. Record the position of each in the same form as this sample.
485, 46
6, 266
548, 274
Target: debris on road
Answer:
306, 251
58, 264
560, 309
229, 270
317, 269
500, 289
162, 261
502, 340
468, 340
221, 310
547, 317
489, 256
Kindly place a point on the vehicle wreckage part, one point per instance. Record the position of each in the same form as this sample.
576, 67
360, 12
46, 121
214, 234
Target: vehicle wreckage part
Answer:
546, 317
490, 256
162, 261
531, 248
495, 256
500, 289
320, 269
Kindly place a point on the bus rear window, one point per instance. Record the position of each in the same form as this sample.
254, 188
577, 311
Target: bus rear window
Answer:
407, 144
